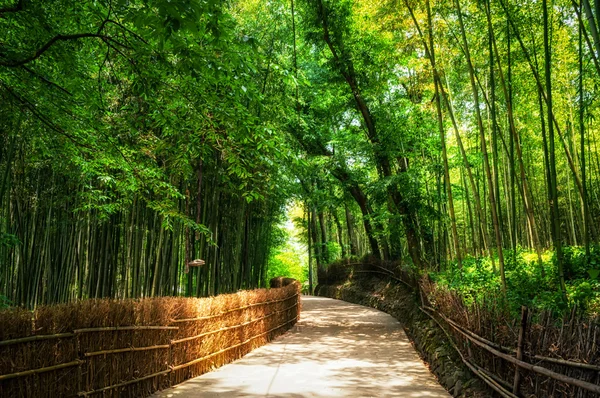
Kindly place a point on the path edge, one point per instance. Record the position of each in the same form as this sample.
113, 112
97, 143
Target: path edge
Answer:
425, 336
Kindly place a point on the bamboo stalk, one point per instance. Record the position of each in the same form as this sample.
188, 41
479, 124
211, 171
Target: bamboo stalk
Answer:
40, 370
125, 383
521, 342
495, 385
506, 385
119, 328
129, 349
81, 362
476, 336
566, 362
36, 338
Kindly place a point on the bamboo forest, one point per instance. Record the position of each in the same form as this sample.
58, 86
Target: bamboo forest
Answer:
455, 137
166, 163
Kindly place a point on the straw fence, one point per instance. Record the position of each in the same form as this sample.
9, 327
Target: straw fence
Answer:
132, 348
536, 355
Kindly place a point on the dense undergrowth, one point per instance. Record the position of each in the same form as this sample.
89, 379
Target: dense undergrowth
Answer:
529, 283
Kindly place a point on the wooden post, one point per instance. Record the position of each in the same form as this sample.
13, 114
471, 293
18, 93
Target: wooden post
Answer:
79, 367
310, 269
520, 348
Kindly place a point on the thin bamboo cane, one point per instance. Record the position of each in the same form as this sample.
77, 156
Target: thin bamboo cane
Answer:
534, 368
125, 383
474, 368
40, 370
513, 351
36, 338
129, 349
118, 328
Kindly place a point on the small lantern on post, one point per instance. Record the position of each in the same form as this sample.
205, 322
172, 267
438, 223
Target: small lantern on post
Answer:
193, 263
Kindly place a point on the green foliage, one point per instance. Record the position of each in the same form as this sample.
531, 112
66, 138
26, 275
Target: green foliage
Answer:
131, 126
473, 281
334, 250
286, 262
4, 302
8, 240
139, 124
577, 266
526, 283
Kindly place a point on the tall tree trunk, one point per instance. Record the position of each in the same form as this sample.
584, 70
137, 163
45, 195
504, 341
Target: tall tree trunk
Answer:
315, 239
586, 211
324, 240
361, 200
545, 98
440, 120
494, 130
340, 230
515, 144
351, 235
486, 163
448, 102
553, 192
345, 67
310, 243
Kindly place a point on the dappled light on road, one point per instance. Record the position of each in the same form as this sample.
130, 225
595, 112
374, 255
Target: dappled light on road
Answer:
336, 350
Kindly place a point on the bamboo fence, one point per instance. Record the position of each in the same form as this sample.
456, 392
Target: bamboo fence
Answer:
536, 355
132, 348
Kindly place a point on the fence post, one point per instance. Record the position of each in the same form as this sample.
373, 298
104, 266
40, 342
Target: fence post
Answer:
421, 295
170, 359
520, 345
81, 359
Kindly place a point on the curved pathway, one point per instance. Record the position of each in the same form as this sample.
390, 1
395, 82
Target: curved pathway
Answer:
337, 349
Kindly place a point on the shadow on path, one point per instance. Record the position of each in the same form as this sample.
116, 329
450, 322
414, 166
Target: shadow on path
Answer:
336, 350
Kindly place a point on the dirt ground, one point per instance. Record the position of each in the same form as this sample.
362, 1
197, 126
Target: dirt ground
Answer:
338, 349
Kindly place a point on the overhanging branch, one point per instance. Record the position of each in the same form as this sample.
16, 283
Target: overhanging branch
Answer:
47, 46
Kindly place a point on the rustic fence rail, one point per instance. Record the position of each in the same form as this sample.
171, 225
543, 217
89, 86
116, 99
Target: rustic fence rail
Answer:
534, 356
135, 347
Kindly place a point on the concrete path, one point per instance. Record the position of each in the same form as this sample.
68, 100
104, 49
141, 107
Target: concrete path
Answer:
336, 350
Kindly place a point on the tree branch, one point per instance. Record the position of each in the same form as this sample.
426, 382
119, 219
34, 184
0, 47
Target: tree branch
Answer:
45, 80
140, 38
49, 44
32, 108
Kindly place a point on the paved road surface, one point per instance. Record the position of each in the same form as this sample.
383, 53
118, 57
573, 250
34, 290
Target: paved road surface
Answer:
336, 350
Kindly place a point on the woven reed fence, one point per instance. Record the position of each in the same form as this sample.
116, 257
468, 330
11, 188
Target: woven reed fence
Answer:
534, 356
132, 348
